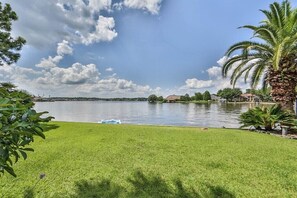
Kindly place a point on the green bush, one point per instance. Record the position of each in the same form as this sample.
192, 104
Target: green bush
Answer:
266, 117
19, 123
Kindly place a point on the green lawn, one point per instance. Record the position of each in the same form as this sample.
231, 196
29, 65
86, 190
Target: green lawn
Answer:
92, 160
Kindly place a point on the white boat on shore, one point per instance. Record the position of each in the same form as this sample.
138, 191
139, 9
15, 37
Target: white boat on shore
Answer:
112, 121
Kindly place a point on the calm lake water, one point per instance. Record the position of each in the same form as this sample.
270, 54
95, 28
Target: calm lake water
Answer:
203, 115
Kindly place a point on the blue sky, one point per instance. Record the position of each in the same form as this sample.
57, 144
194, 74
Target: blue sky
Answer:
128, 48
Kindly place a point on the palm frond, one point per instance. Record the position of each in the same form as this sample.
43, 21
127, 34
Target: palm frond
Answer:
257, 74
278, 17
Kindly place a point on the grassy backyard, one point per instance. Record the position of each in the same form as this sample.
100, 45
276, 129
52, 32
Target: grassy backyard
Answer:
92, 160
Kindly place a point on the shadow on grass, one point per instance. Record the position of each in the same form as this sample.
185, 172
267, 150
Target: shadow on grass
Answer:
29, 193
145, 186
47, 127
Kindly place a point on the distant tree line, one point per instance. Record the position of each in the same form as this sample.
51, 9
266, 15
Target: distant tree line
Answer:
196, 97
185, 98
231, 94
38, 99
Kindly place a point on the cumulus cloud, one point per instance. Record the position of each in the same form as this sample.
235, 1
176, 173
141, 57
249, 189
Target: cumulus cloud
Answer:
48, 22
222, 61
214, 72
76, 74
104, 31
116, 87
152, 6
49, 62
64, 48
77, 21
198, 84
17, 74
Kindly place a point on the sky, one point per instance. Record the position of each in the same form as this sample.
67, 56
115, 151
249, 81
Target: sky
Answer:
127, 48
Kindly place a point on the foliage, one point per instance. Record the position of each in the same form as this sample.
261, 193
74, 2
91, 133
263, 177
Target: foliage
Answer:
206, 96
193, 98
9, 45
263, 94
160, 99
152, 98
186, 98
266, 117
19, 123
198, 96
229, 94
97, 152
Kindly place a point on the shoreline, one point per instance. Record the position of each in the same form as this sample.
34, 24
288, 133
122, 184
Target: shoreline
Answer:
142, 124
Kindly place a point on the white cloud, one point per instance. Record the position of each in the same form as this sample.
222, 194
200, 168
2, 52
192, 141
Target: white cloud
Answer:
76, 74
152, 6
64, 48
77, 21
116, 87
48, 22
49, 62
97, 5
109, 69
104, 31
222, 61
214, 72
198, 84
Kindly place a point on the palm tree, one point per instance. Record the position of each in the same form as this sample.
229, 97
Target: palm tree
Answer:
272, 57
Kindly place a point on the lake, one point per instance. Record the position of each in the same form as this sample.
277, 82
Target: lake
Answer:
176, 114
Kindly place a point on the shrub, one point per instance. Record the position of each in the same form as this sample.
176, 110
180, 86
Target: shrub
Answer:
266, 117
19, 123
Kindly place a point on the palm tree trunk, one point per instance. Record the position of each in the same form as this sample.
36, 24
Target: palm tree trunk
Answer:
283, 83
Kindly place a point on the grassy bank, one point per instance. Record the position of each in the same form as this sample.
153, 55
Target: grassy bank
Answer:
92, 160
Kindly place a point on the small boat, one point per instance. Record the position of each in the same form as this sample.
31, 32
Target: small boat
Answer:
112, 121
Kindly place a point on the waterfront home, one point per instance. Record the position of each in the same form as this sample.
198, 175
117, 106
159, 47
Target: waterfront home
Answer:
248, 97
214, 97
172, 98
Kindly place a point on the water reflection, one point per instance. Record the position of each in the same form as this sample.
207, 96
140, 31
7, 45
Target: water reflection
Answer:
203, 115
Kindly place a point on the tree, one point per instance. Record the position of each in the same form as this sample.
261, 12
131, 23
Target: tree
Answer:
160, 99
229, 94
264, 95
272, 57
206, 96
198, 96
219, 92
186, 98
8, 45
152, 98
19, 123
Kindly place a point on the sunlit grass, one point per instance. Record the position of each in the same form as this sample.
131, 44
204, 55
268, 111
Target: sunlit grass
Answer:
92, 160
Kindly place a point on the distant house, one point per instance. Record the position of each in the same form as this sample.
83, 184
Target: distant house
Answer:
172, 98
248, 97
215, 97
